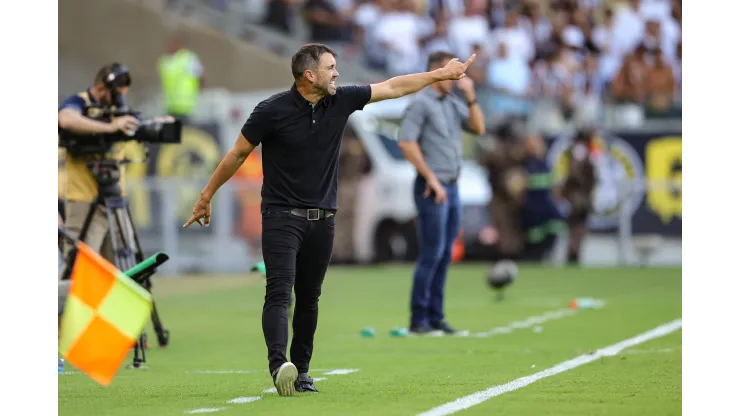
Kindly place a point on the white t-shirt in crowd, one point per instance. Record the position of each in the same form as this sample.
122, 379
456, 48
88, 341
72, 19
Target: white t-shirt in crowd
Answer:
401, 32
366, 16
511, 74
466, 31
629, 27
520, 44
611, 58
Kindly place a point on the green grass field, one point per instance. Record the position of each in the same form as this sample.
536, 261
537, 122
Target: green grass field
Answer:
216, 330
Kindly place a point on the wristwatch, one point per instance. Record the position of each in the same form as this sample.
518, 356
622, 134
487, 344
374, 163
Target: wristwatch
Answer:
472, 103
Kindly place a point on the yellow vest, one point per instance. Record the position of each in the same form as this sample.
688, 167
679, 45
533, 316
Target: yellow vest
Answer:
179, 86
78, 182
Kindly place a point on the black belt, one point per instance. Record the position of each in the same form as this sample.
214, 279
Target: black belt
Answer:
312, 214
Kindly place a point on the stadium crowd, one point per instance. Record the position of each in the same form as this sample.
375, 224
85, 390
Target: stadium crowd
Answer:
568, 51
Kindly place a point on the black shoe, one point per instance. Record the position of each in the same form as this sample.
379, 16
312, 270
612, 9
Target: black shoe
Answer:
424, 330
444, 327
304, 384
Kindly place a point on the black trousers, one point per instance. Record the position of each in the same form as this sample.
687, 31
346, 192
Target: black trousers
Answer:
296, 252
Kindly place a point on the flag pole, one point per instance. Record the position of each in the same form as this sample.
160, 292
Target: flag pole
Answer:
139, 272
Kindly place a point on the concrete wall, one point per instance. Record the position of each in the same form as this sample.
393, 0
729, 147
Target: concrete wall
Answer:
95, 32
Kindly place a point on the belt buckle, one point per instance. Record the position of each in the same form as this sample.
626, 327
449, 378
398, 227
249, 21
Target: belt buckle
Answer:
311, 217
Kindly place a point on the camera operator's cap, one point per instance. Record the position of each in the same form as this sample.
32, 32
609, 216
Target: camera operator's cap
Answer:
119, 76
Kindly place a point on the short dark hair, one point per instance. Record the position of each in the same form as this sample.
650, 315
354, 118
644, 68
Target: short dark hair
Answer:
436, 59
308, 57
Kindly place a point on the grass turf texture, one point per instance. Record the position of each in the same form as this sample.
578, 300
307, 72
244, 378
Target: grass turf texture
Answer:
216, 325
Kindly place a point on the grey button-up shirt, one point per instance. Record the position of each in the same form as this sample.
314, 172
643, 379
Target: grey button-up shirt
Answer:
436, 123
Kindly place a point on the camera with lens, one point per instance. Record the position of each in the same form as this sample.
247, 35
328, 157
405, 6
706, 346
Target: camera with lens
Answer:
148, 131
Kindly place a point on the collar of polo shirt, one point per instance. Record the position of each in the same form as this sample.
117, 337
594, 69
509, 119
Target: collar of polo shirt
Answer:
301, 101
436, 94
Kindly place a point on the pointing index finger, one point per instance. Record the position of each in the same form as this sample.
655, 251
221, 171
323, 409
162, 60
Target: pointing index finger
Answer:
470, 60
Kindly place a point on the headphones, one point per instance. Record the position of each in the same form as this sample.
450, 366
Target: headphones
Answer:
118, 77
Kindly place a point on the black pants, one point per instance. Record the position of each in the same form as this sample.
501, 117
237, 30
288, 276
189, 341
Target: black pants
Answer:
296, 252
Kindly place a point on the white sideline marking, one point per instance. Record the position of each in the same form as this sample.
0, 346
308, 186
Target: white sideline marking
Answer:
529, 322
206, 410
238, 371
341, 371
250, 399
610, 351
240, 400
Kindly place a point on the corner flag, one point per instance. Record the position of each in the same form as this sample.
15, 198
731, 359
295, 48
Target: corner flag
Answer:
105, 313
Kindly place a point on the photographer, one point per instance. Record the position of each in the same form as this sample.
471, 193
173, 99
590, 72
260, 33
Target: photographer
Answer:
90, 114
77, 114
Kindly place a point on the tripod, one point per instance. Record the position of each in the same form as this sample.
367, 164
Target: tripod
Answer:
127, 252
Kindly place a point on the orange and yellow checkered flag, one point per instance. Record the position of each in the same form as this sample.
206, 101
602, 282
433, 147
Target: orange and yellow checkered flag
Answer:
104, 314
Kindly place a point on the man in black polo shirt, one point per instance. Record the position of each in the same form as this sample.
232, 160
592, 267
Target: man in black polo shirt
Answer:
300, 131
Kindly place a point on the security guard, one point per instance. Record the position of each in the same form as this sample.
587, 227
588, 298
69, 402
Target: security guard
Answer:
182, 77
580, 182
541, 220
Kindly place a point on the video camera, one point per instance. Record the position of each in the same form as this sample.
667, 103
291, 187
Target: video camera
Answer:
148, 131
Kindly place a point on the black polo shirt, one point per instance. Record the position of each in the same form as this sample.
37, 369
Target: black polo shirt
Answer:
300, 145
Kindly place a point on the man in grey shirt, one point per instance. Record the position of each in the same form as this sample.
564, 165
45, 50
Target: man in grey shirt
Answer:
431, 139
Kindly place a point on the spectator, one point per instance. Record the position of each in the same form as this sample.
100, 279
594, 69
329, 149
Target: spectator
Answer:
398, 33
660, 86
508, 74
477, 71
519, 44
326, 23
629, 27
438, 41
630, 85
495, 13
280, 15
588, 89
657, 36
677, 75
468, 29
552, 49
544, 82
605, 39
445, 8
367, 15
536, 24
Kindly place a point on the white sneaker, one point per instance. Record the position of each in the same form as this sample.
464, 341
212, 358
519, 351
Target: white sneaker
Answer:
285, 378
